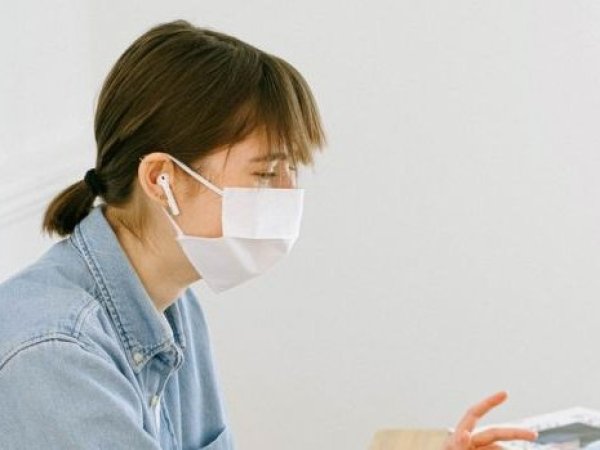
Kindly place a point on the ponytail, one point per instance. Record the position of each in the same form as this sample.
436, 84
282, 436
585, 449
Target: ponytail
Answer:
67, 209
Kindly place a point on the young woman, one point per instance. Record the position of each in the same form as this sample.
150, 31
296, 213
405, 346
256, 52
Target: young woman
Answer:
103, 345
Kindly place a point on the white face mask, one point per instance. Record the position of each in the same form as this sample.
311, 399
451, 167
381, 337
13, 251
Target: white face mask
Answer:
260, 226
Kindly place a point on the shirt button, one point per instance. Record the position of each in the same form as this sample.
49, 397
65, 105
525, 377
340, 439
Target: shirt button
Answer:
137, 357
154, 400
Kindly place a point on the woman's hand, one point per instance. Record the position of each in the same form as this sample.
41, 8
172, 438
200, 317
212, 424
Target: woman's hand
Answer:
464, 439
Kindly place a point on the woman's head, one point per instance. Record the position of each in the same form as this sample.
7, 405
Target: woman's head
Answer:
210, 100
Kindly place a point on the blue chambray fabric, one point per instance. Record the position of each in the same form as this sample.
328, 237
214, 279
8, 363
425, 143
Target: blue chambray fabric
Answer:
88, 362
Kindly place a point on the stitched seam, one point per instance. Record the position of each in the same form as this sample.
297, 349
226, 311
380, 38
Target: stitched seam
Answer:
165, 412
103, 290
96, 293
53, 336
83, 315
71, 241
180, 336
49, 337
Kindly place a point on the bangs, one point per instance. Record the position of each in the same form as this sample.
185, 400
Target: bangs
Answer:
283, 105
289, 112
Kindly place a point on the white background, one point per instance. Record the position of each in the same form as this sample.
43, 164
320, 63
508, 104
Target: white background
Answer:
450, 244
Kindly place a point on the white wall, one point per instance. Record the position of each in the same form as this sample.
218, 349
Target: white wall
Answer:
451, 241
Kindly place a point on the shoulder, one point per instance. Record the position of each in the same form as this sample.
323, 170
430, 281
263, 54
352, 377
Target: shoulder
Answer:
50, 298
60, 379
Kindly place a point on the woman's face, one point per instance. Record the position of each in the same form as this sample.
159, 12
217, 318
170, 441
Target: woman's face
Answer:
246, 165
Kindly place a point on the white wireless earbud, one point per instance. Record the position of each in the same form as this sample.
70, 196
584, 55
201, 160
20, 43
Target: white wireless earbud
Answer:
163, 182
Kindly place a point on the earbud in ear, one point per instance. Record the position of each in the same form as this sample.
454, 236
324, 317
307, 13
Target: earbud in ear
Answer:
163, 182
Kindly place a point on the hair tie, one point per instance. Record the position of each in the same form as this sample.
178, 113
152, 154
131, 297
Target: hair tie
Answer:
93, 182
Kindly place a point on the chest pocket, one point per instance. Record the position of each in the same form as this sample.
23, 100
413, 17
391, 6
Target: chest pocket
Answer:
222, 442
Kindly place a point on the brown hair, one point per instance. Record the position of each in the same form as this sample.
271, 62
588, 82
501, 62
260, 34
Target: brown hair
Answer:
187, 91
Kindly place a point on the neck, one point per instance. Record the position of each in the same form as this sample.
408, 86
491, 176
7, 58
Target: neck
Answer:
160, 264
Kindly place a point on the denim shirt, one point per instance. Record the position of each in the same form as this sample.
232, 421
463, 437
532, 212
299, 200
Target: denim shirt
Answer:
88, 362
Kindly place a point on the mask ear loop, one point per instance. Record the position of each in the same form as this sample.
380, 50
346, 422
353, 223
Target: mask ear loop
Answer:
178, 230
197, 176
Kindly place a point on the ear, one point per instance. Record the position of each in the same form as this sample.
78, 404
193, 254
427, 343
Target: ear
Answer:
149, 169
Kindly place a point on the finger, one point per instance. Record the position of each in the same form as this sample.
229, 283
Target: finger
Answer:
477, 411
492, 435
492, 447
461, 440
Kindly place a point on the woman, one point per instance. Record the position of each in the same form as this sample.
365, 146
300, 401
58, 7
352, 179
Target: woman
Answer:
103, 345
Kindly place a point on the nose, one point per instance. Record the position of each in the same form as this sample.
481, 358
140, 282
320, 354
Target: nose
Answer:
288, 180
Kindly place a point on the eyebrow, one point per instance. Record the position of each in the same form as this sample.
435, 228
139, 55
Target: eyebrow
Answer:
270, 157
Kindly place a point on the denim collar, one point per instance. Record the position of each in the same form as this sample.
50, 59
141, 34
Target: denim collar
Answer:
143, 330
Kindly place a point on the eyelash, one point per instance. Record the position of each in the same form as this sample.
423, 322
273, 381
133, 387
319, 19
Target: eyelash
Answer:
265, 174
271, 174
